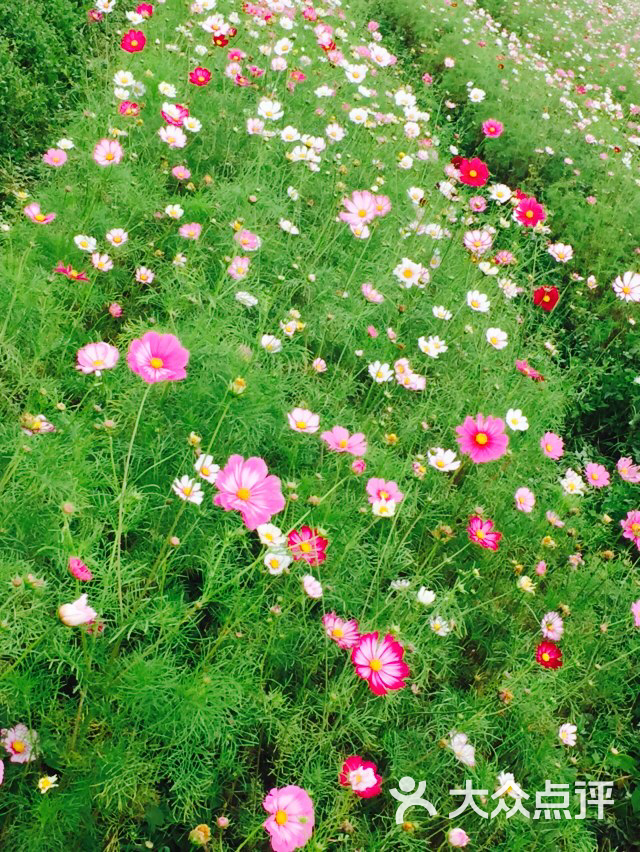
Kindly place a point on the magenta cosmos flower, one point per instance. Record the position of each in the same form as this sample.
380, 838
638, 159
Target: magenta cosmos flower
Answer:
597, 475
108, 152
380, 663
290, 821
33, 212
362, 776
247, 487
20, 742
96, 357
380, 489
483, 439
492, 128
339, 440
79, 570
552, 445
344, 633
631, 527
483, 533
158, 358
307, 544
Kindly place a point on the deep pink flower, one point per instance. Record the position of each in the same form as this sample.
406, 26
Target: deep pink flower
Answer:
158, 358
55, 157
362, 776
247, 487
635, 611
339, 440
96, 357
380, 489
629, 471
358, 466
200, 76
597, 475
483, 533
128, 108
344, 633
529, 212
307, 544
523, 367
380, 663
552, 445
290, 822
133, 41
483, 439
492, 128
108, 152
79, 570
631, 527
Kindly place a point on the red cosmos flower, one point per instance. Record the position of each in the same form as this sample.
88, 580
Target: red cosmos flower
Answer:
546, 297
128, 108
232, 32
549, 655
220, 40
200, 76
473, 172
133, 41
455, 161
70, 272
362, 776
529, 212
145, 9
307, 544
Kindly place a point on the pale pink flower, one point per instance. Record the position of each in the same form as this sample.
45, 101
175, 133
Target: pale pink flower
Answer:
554, 519
458, 837
361, 208
55, 157
629, 471
77, 613
175, 137
247, 487
181, 172
525, 500
248, 240
158, 358
560, 252
319, 365
20, 742
552, 445
478, 242
380, 489
108, 152
344, 633
239, 268
291, 820
144, 275
551, 626
635, 612
339, 440
371, 294
311, 586
96, 357
303, 420
32, 211
101, 261
567, 734
597, 475
190, 230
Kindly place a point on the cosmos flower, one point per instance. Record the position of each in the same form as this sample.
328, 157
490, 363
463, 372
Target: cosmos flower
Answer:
551, 626
344, 633
79, 570
473, 172
546, 298
380, 663
627, 287
291, 819
628, 471
32, 211
20, 742
247, 487
482, 438
492, 128
158, 358
525, 500
339, 440
549, 655
483, 533
308, 545
133, 41
380, 489
77, 613
96, 357
567, 734
631, 527
108, 152
597, 475
362, 776
529, 212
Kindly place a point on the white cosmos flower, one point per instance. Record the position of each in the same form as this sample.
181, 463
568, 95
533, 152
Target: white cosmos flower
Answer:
439, 625
516, 420
85, 243
380, 373
478, 301
441, 312
432, 346
271, 535
497, 338
384, 508
246, 299
627, 287
425, 596
276, 561
444, 460
174, 211
188, 489
499, 192
270, 343
206, 469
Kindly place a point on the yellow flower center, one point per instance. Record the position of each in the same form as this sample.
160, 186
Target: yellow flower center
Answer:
205, 471
39, 217
594, 475
546, 298
473, 173
305, 547
546, 657
342, 444
98, 362
156, 363
301, 424
108, 156
375, 665
243, 493
18, 746
337, 632
281, 817
626, 290
187, 491
635, 529
407, 273
548, 447
474, 303
274, 563
529, 214
362, 213
134, 42
439, 463
480, 534
482, 438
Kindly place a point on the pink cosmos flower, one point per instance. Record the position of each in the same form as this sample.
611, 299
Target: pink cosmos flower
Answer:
1, 771
247, 487
361, 208
379, 489
96, 357
541, 568
20, 742
344, 633
55, 157
629, 471
492, 128
380, 663
371, 294
631, 527
529, 212
190, 230
181, 173
307, 544
311, 586
552, 445
483, 439
458, 837
381, 204
597, 475
33, 212
525, 500
239, 268
554, 519
79, 570
522, 366
303, 420
290, 822
248, 240
478, 204
174, 114
339, 440
115, 310
133, 41
551, 626
108, 152
635, 611
77, 613
158, 358
483, 533
319, 365
358, 466
362, 776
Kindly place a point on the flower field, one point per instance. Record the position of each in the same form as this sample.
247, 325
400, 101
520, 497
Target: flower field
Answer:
320, 433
